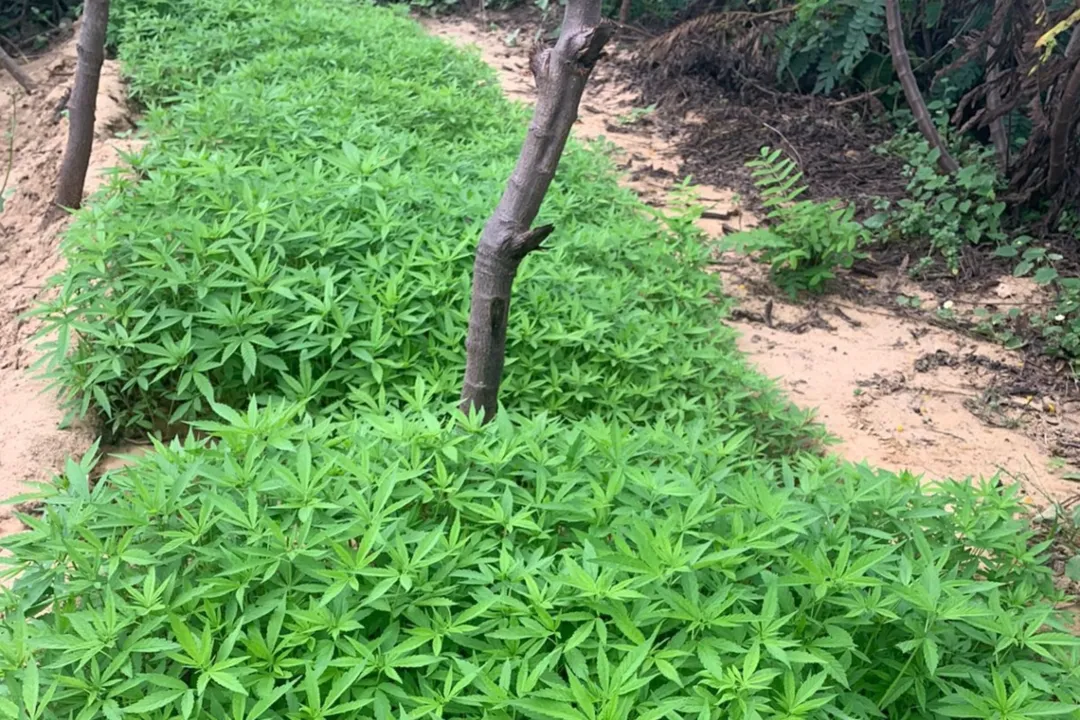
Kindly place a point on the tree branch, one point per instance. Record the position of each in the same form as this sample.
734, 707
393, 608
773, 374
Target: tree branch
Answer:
8, 63
82, 107
561, 73
1061, 130
902, 65
998, 134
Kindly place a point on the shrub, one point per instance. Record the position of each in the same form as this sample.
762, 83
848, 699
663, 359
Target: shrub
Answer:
835, 44
396, 567
303, 225
804, 241
949, 211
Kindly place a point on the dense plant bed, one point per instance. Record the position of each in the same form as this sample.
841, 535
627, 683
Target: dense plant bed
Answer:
400, 567
303, 226
298, 238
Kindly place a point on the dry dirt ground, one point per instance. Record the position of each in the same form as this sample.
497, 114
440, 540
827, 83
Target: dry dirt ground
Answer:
33, 131
899, 393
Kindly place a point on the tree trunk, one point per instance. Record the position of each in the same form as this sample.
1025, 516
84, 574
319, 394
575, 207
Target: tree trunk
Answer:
902, 65
624, 12
560, 74
8, 63
1072, 50
1061, 139
83, 104
998, 134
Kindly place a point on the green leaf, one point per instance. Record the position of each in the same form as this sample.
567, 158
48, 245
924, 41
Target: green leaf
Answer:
930, 655
247, 351
1045, 275
153, 701
547, 709
228, 681
30, 687
154, 645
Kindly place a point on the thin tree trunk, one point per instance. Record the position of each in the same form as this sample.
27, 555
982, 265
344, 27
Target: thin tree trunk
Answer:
560, 74
624, 12
82, 107
1072, 50
902, 65
998, 134
1061, 131
8, 63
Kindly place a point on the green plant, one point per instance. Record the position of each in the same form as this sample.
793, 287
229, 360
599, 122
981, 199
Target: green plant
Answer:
804, 241
829, 40
1060, 326
397, 566
1039, 259
282, 240
949, 211
635, 115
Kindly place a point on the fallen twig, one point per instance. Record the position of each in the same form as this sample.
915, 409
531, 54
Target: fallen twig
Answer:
9, 64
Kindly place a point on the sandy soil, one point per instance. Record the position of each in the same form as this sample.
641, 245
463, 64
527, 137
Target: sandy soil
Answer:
899, 393
32, 444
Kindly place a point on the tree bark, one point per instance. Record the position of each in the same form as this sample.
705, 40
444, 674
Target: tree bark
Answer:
8, 63
902, 65
82, 107
560, 74
1072, 50
998, 134
1061, 131
624, 12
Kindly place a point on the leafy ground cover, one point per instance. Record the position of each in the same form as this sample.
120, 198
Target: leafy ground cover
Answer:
299, 232
399, 567
304, 225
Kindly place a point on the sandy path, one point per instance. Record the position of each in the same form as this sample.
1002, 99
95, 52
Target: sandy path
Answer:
33, 446
859, 368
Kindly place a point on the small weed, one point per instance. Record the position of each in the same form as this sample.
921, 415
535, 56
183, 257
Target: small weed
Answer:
909, 301
804, 241
950, 211
635, 115
1060, 326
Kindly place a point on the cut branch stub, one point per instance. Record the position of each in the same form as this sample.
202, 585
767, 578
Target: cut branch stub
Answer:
561, 73
902, 65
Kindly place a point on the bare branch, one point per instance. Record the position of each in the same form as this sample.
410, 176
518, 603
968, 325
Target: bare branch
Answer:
998, 134
83, 105
8, 63
1061, 130
561, 73
902, 65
